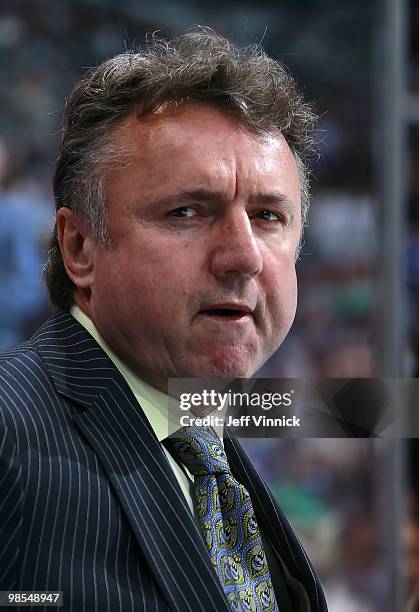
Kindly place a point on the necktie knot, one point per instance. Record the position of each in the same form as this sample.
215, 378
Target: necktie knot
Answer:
199, 449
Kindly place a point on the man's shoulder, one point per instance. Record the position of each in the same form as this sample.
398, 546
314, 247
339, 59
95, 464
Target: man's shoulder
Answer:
14, 360
25, 382
31, 352
12, 352
27, 353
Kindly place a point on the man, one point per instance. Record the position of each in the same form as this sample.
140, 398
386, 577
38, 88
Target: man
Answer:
181, 195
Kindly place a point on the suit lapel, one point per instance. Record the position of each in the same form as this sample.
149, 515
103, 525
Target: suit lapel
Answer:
116, 428
276, 527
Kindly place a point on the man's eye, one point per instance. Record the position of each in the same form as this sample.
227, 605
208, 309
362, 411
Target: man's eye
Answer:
183, 211
268, 215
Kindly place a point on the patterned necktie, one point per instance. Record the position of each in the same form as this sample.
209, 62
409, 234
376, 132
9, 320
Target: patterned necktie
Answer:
228, 523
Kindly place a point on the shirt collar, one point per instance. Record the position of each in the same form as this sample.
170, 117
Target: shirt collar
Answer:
154, 403
161, 410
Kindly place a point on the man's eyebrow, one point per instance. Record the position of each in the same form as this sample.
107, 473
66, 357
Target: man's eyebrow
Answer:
185, 197
273, 199
181, 198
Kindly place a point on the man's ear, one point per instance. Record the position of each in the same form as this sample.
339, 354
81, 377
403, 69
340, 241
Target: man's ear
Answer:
78, 247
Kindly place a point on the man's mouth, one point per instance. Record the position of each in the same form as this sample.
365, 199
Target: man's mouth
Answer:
233, 312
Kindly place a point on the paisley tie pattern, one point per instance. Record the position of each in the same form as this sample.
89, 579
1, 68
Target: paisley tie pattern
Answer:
228, 522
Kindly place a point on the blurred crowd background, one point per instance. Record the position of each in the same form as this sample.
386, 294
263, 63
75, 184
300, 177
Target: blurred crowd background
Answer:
334, 491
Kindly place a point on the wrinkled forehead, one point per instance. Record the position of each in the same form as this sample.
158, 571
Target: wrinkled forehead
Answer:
184, 127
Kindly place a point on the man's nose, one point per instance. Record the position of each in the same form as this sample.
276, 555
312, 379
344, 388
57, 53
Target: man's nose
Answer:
236, 251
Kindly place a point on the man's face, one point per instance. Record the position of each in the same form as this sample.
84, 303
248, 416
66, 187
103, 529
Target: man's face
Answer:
204, 220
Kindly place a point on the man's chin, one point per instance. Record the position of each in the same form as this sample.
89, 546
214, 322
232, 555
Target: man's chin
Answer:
226, 365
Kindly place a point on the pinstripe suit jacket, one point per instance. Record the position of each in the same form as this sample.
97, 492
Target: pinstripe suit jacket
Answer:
88, 504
